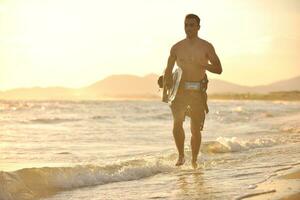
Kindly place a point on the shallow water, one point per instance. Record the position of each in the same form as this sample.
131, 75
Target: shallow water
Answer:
125, 149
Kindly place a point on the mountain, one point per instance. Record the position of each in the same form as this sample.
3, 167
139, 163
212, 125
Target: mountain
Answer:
219, 86
284, 85
128, 86
136, 87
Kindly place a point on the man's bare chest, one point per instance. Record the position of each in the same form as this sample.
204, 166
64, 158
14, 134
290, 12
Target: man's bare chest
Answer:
191, 55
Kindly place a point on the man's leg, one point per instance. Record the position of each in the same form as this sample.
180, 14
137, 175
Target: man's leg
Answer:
179, 137
197, 122
178, 108
196, 127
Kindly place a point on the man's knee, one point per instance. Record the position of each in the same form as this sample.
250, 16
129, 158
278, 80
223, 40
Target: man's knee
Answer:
177, 125
196, 129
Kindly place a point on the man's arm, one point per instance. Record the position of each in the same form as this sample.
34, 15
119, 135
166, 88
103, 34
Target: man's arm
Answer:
168, 78
215, 64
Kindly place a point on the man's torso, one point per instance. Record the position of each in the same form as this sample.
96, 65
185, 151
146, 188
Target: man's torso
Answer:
189, 57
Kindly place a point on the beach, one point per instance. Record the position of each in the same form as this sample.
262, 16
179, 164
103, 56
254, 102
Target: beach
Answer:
285, 186
57, 150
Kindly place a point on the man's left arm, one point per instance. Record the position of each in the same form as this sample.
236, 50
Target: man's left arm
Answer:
215, 64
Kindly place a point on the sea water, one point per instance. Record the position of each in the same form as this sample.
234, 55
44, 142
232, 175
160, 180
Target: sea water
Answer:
59, 150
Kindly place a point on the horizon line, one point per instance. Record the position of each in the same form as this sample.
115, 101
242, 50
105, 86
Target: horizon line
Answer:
140, 76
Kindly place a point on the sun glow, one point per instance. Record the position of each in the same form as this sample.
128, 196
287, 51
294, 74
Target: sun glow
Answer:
75, 43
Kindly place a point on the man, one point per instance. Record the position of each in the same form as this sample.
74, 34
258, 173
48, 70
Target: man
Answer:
194, 56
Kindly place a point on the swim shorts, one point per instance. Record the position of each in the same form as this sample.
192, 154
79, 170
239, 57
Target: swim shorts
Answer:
190, 103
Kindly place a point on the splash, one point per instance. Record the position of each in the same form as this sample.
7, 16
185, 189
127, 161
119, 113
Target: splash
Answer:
33, 183
227, 145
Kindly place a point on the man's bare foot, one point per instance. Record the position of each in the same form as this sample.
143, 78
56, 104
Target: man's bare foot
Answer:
194, 163
180, 161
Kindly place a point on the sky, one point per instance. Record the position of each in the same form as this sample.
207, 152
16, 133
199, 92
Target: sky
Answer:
76, 43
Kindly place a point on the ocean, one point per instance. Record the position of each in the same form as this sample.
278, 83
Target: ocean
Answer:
60, 150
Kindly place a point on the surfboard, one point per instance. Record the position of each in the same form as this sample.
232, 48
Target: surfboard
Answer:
170, 94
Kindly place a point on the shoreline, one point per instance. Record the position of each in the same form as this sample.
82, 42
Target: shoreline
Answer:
210, 98
285, 186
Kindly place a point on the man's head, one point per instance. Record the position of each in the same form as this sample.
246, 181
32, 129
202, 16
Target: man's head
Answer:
191, 25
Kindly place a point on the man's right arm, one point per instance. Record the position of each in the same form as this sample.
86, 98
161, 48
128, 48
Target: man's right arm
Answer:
168, 78
215, 66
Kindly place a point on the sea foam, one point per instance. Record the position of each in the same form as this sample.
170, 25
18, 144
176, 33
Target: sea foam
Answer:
30, 183
227, 145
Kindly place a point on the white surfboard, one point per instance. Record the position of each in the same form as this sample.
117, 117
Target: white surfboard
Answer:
170, 94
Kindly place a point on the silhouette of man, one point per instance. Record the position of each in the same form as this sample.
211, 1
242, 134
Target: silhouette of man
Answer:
194, 56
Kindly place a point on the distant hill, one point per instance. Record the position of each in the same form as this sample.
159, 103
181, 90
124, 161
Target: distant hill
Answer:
219, 86
124, 85
136, 87
284, 85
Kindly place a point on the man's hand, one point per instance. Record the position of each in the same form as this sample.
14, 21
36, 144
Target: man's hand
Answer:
168, 81
203, 64
215, 66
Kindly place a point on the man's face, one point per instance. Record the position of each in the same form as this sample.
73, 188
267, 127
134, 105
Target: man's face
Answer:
191, 27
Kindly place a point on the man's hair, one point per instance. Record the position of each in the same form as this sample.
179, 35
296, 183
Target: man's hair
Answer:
193, 16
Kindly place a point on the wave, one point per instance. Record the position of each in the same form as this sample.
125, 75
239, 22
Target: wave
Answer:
149, 117
290, 128
162, 116
289, 123
227, 145
54, 120
24, 105
34, 183
96, 117
133, 118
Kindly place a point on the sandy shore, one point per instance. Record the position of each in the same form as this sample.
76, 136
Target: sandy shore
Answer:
285, 186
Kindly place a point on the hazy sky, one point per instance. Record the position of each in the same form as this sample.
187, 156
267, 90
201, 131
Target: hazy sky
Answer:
75, 43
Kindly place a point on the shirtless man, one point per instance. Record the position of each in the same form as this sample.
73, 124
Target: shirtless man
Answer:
194, 56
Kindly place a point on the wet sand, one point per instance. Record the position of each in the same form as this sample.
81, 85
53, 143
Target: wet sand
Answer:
285, 187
